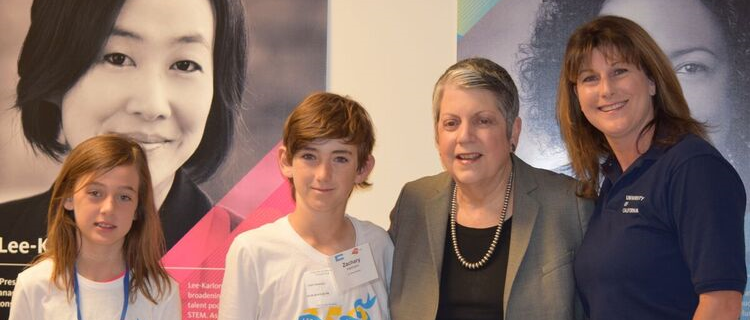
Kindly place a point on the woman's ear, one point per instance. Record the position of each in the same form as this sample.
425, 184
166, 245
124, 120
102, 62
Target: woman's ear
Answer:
515, 133
651, 87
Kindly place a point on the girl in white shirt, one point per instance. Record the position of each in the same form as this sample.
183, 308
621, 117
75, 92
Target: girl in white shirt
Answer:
104, 242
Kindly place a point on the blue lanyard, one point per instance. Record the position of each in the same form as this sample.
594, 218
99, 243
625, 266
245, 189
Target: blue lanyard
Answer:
126, 292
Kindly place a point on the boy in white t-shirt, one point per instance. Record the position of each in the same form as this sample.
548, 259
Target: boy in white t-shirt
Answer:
318, 262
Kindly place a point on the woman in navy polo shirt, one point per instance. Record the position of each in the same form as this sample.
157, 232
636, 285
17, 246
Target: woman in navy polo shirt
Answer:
666, 238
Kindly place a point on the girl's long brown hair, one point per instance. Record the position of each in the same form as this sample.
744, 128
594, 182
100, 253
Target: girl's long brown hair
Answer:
617, 38
144, 243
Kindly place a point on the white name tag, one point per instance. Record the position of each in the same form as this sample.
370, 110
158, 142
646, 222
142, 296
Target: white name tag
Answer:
353, 267
320, 289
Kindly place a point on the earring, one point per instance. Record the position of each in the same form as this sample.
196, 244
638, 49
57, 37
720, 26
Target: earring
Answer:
652, 88
512, 147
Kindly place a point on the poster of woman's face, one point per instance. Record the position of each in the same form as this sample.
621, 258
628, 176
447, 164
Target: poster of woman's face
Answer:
203, 85
152, 81
708, 43
285, 61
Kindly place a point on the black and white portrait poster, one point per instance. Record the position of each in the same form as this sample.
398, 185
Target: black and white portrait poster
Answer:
209, 118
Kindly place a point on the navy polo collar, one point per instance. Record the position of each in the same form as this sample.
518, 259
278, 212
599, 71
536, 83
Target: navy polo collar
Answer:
611, 167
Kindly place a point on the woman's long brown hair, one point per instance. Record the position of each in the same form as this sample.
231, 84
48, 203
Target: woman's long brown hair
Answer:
617, 38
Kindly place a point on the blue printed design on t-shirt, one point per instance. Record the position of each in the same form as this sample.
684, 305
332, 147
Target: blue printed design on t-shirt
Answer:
359, 312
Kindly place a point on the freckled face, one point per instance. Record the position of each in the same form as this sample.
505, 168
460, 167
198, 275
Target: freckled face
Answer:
690, 36
471, 135
105, 207
615, 97
153, 82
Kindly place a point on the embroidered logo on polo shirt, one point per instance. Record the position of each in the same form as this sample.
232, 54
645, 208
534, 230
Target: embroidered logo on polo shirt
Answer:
631, 204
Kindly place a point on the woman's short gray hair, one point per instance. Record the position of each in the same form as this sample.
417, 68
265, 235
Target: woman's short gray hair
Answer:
480, 73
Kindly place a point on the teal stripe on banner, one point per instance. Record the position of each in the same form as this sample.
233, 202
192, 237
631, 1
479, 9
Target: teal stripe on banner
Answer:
470, 12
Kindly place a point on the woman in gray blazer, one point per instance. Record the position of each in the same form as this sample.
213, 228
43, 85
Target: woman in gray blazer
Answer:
491, 237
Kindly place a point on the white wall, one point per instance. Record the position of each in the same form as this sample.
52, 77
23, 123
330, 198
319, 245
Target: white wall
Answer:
387, 55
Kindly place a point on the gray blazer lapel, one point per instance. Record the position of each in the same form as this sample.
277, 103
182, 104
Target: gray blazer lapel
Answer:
525, 211
436, 212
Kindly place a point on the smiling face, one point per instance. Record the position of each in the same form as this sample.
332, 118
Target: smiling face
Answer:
153, 82
104, 207
690, 36
324, 174
471, 135
615, 97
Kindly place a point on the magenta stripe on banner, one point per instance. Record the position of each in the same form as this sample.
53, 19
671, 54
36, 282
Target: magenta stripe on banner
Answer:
196, 262
256, 186
200, 286
262, 196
